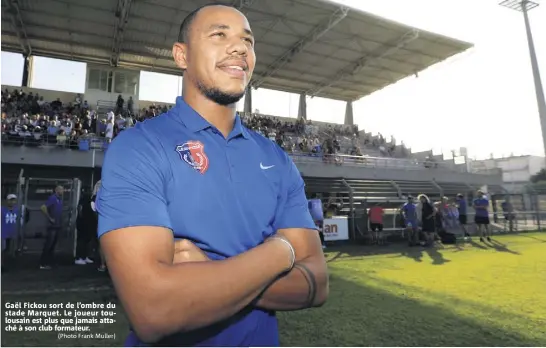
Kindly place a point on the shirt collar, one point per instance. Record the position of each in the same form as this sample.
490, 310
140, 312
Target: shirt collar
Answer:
195, 122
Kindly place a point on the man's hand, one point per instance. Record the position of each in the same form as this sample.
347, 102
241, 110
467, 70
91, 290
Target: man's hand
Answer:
186, 251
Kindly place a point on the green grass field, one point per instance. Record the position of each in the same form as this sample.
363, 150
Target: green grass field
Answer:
470, 295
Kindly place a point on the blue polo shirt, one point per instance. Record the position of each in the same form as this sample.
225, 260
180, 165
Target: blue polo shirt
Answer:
410, 211
462, 206
54, 206
225, 194
481, 212
9, 222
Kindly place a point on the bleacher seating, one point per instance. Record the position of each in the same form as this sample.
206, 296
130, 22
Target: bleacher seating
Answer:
374, 190
451, 189
414, 188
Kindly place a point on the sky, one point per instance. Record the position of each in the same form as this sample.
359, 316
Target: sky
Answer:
483, 99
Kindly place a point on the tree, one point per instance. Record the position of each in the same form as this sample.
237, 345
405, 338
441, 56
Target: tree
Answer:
538, 177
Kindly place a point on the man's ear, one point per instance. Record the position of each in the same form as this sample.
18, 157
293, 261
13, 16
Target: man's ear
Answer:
180, 55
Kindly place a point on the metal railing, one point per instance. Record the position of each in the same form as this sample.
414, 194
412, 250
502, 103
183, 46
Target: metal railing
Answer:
91, 141
375, 162
94, 142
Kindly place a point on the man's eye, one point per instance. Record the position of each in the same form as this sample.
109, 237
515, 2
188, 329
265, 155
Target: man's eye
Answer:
219, 34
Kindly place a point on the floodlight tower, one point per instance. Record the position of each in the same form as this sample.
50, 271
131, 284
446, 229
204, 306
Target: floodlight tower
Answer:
525, 6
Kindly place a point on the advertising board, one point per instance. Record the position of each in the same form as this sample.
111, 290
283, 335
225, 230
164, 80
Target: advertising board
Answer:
336, 228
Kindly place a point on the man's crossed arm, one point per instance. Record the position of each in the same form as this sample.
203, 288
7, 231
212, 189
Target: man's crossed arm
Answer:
165, 289
305, 286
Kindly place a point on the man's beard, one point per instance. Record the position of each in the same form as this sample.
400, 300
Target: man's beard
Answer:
219, 97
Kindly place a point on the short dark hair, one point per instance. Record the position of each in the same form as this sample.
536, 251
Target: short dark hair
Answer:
186, 23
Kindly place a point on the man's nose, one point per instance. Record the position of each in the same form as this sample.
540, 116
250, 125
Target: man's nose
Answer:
237, 46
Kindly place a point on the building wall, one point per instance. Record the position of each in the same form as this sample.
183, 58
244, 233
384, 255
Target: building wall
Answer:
516, 169
536, 163
94, 95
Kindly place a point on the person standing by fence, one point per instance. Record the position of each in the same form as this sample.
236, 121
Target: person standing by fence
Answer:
481, 205
10, 213
52, 209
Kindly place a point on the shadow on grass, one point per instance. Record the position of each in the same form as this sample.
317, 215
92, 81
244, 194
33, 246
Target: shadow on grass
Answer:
345, 251
477, 245
358, 315
25, 276
436, 256
541, 240
498, 246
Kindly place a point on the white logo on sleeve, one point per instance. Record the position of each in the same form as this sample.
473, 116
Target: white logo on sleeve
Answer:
11, 218
265, 167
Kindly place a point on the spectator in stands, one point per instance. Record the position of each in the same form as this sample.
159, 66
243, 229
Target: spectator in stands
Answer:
129, 121
57, 104
109, 132
119, 104
87, 123
328, 148
29, 120
61, 138
130, 104
78, 100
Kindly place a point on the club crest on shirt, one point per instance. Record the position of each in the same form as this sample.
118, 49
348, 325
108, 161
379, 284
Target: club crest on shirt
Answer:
193, 153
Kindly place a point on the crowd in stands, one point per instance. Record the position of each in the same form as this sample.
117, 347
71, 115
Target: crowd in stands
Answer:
29, 119
306, 137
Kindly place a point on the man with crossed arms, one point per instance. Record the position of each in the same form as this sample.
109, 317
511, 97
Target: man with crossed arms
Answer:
204, 223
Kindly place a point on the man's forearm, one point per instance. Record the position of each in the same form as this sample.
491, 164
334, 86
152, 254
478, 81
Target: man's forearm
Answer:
188, 296
45, 212
305, 286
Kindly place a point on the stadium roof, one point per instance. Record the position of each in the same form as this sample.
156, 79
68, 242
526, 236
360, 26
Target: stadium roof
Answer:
315, 47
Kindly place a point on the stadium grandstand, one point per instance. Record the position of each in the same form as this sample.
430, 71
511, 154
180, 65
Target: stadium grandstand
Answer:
311, 48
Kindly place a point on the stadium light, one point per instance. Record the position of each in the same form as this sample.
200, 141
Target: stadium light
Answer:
525, 6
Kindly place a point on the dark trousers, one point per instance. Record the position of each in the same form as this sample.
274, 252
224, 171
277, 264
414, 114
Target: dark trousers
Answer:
321, 235
48, 251
86, 232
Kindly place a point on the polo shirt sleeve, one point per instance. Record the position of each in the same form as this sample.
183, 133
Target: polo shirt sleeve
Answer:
133, 184
294, 209
50, 201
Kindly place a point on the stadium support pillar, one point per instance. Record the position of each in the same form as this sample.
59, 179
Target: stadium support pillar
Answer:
27, 68
536, 75
525, 6
349, 113
302, 107
248, 100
